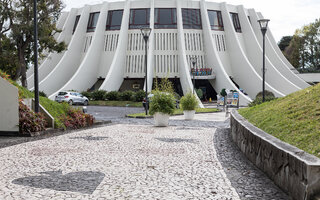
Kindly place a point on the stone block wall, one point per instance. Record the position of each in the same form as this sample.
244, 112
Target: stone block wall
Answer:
293, 170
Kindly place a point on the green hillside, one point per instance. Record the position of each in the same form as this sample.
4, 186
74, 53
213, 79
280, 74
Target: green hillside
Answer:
294, 119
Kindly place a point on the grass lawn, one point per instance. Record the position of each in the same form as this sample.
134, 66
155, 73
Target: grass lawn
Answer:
116, 103
294, 119
178, 112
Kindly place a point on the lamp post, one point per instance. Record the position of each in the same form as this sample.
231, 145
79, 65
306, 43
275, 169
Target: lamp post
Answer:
146, 33
35, 48
193, 60
264, 26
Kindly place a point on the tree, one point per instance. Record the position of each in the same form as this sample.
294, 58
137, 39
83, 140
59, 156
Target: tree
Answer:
284, 42
21, 31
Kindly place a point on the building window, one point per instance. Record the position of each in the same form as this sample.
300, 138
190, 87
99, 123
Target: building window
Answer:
191, 18
92, 23
215, 19
76, 24
236, 22
165, 18
114, 20
139, 18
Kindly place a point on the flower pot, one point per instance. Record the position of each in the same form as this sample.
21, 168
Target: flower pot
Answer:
161, 119
189, 114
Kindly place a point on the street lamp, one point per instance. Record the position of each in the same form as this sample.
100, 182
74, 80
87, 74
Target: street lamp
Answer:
146, 33
264, 26
35, 48
193, 60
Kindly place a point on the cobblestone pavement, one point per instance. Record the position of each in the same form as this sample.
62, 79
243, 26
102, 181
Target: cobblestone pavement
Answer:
132, 159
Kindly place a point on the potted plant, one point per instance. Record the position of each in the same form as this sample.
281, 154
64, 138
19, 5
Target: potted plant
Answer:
162, 105
188, 103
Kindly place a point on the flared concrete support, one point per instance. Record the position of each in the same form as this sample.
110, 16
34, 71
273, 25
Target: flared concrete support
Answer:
244, 73
89, 67
255, 53
274, 53
222, 79
150, 50
184, 71
115, 75
70, 61
53, 59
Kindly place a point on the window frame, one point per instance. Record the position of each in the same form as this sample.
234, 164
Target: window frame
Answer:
76, 23
220, 26
197, 14
138, 26
109, 19
236, 22
90, 27
173, 21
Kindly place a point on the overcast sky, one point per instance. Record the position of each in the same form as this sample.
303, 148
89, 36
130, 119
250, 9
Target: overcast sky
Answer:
285, 15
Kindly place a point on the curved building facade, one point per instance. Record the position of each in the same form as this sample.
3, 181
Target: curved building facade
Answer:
106, 49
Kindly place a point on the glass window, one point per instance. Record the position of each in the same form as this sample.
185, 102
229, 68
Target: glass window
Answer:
191, 18
92, 23
215, 19
139, 18
236, 22
76, 23
165, 18
114, 20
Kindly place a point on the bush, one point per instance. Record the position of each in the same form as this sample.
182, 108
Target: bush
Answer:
87, 94
112, 96
162, 102
189, 102
223, 92
139, 95
199, 93
99, 95
127, 95
42, 94
75, 119
30, 121
269, 96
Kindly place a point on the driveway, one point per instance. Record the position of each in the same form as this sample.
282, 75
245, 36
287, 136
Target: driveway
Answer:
132, 159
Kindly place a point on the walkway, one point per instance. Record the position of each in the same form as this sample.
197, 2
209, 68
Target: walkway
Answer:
132, 159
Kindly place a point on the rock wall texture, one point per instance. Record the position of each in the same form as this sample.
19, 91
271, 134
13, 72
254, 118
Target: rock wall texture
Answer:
293, 170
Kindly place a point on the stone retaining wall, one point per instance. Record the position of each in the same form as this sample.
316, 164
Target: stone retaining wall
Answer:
293, 170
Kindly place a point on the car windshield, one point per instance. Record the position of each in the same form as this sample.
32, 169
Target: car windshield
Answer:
62, 93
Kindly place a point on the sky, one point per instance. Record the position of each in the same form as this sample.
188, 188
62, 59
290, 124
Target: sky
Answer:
285, 15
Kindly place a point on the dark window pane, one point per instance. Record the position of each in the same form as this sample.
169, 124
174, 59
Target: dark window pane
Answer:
191, 18
165, 18
92, 23
76, 23
215, 19
139, 18
236, 22
114, 20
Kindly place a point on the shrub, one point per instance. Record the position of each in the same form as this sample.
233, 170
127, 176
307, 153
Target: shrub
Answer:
189, 102
199, 93
223, 92
5, 76
126, 95
139, 95
165, 86
269, 96
30, 121
112, 96
42, 94
162, 102
99, 95
87, 94
75, 119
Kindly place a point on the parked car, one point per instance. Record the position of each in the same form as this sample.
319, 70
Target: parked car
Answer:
144, 102
72, 98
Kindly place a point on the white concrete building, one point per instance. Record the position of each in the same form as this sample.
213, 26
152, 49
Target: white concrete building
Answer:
106, 49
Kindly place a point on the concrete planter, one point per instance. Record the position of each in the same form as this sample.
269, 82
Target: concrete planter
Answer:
189, 114
293, 170
161, 119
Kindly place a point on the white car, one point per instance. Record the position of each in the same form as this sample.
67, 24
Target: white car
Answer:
72, 98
